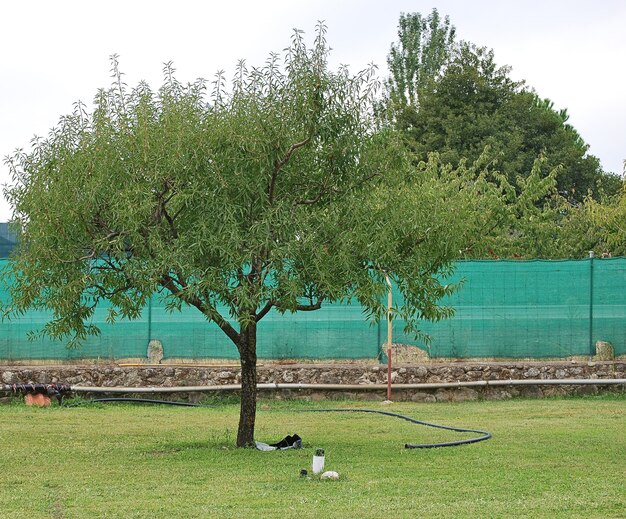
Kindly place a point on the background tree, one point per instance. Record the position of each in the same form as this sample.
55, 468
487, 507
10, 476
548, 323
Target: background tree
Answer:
420, 55
608, 220
276, 194
471, 103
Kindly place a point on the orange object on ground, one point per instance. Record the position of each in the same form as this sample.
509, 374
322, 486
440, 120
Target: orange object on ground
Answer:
37, 399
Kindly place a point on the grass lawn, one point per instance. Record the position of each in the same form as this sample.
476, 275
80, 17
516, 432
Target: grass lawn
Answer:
547, 458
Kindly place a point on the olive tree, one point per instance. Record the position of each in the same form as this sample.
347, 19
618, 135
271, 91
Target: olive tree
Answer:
277, 191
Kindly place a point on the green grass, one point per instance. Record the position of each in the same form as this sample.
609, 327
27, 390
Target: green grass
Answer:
548, 458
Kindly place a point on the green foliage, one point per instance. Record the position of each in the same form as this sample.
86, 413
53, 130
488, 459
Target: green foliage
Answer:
422, 51
280, 192
608, 219
277, 193
524, 224
470, 102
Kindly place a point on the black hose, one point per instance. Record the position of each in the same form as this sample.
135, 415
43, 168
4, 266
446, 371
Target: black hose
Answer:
136, 400
484, 434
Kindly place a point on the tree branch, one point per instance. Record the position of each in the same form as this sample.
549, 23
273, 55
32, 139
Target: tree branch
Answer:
278, 165
107, 294
160, 211
312, 200
89, 256
264, 311
331, 190
169, 283
311, 307
170, 222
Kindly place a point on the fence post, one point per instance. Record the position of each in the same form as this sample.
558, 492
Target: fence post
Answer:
379, 345
389, 336
592, 349
149, 319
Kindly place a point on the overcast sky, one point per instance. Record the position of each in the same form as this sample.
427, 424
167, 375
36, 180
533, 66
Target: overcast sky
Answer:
53, 53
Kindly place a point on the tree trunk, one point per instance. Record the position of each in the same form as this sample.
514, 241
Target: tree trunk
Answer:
247, 413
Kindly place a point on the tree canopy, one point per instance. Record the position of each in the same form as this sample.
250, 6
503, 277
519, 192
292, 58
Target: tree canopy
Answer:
419, 57
277, 193
468, 103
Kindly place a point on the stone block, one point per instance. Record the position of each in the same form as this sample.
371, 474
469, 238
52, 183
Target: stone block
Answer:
155, 352
422, 396
604, 351
464, 394
9, 377
532, 373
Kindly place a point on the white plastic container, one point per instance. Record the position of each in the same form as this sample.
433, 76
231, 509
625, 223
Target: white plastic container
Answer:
318, 461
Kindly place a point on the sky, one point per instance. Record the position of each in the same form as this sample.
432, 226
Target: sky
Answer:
54, 53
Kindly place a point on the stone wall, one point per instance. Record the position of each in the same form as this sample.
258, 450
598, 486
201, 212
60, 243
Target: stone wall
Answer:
368, 377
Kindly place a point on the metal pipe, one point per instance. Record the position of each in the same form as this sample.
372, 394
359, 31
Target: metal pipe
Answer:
336, 387
364, 387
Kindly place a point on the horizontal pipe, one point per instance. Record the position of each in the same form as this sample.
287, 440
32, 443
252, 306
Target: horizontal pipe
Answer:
340, 387
516, 382
179, 365
366, 387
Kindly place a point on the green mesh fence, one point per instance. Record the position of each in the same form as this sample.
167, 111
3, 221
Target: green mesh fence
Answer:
609, 303
334, 331
504, 309
531, 309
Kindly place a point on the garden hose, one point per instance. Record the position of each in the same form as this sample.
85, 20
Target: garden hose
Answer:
136, 400
484, 435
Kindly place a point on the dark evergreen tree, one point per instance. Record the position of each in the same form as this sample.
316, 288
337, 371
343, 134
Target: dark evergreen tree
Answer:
452, 98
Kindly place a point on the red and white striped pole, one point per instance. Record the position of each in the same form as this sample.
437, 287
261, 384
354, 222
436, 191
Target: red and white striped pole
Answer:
389, 335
